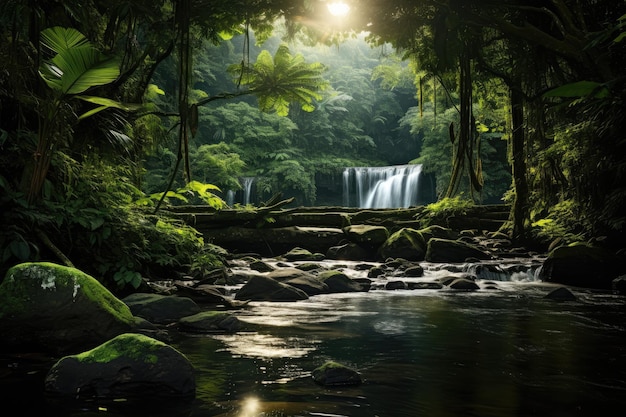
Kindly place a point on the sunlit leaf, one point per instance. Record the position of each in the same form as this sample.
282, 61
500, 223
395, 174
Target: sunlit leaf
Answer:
153, 88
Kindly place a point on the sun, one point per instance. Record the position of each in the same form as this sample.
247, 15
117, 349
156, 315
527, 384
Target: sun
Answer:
338, 8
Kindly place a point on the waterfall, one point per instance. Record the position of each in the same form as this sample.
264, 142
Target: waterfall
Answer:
246, 183
385, 187
243, 196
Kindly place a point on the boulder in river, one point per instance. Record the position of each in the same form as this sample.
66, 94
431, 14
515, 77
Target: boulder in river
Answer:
262, 288
339, 282
582, 265
160, 309
561, 294
127, 366
406, 243
336, 374
348, 251
446, 250
58, 309
210, 321
302, 280
367, 236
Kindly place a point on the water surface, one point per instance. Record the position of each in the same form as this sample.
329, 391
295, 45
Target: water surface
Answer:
494, 352
506, 352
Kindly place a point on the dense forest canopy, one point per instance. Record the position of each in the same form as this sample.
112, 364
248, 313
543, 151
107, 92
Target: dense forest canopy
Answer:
108, 106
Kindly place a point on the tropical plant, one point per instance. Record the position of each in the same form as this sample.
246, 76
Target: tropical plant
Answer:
74, 67
440, 211
281, 80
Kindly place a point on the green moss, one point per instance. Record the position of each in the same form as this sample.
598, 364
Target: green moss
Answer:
131, 345
413, 236
331, 365
23, 280
324, 275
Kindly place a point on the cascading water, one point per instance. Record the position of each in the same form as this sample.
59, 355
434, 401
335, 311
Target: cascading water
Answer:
246, 183
395, 186
243, 196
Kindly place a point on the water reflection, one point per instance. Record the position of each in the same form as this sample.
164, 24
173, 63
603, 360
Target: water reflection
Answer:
488, 353
249, 407
509, 352
265, 346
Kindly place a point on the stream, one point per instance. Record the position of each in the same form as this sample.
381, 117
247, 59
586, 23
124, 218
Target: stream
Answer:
504, 350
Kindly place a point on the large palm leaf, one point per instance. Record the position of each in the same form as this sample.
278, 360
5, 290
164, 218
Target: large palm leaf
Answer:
76, 66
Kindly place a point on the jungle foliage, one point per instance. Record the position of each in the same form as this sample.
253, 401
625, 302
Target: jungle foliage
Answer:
111, 110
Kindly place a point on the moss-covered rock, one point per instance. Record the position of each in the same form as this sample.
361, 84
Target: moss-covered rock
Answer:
445, 250
367, 236
58, 308
127, 366
439, 232
407, 243
336, 374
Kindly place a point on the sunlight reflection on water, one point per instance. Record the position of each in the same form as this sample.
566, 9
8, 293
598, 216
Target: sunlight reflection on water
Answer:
255, 345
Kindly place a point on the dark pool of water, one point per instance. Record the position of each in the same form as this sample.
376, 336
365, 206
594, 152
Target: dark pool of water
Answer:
505, 352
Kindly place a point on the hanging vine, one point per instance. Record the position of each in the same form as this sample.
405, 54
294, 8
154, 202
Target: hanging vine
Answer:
182, 19
466, 152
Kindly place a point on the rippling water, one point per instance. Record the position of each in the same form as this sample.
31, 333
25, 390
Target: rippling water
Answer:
494, 352
506, 352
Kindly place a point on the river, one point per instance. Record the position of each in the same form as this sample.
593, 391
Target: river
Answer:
504, 351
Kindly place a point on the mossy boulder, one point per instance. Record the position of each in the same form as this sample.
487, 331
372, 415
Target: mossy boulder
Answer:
127, 366
407, 243
336, 374
367, 236
440, 232
445, 250
50, 307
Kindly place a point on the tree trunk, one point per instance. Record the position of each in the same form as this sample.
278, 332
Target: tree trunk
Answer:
519, 210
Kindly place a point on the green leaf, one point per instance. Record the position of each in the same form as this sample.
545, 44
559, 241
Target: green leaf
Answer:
226, 36
153, 88
59, 39
77, 66
106, 103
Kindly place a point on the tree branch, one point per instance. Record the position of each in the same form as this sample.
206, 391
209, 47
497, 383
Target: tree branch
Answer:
57, 252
